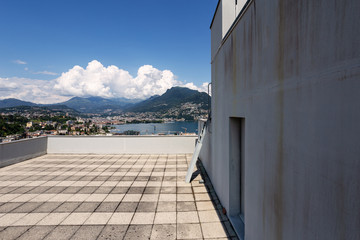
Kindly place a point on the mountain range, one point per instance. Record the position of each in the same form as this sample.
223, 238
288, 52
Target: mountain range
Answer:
172, 98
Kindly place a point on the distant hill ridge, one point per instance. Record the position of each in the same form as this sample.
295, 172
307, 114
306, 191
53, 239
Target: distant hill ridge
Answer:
173, 97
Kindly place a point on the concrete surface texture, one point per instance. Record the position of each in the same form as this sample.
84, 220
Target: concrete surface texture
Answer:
291, 70
109, 197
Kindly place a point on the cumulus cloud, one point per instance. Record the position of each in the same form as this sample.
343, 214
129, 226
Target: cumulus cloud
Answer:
93, 80
109, 82
19, 62
34, 90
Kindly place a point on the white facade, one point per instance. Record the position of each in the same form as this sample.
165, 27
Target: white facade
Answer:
285, 145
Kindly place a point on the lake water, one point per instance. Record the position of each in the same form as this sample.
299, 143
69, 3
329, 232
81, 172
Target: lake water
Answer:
156, 128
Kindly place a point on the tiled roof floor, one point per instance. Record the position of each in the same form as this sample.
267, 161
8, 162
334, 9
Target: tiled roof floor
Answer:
108, 197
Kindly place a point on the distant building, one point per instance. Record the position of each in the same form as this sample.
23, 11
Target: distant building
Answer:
284, 148
29, 124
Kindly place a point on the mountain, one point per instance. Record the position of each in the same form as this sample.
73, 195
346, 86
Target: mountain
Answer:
12, 102
173, 98
99, 104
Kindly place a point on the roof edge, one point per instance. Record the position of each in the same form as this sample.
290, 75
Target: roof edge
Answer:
217, 6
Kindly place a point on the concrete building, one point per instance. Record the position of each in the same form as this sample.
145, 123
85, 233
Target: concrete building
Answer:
284, 147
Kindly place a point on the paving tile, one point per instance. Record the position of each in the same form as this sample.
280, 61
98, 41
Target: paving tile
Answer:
143, 218
113, 232
185, 206
167, 197
62, 233
213, 230
205, 205
98, 219
114, 198
96, 198
121, 218
27, 207
36, 232
152, 190
119, 190
149, 198
136, 190
87, 207
55, 189
8, 197
127, 207
87, 232
184, 190
103, 190
201, 189
165, 218
71, 190
47, 207
76, 219
107, 207
132, 198
166, 207
189, 231
78, 197
146, 207
10, 218
30, 219
168, 190
187, 217
60, 197
202, 197
9, 207
184, 197
12, 232
139, 232
209, 216
53, 219
163, 231
87, 190
67, 207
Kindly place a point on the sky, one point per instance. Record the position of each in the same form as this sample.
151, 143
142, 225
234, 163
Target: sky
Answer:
52, 50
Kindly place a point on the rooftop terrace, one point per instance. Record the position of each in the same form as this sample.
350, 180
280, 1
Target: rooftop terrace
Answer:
118, 196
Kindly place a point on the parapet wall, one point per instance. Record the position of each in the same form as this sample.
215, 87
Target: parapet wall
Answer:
17, 151
121, 144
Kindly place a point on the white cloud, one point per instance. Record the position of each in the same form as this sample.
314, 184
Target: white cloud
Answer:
34, 90
94, 80
46, 73
97, 80
19, 62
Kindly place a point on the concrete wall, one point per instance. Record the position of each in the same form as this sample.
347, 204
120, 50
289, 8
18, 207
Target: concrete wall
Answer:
292, 70
17, 151
121, 144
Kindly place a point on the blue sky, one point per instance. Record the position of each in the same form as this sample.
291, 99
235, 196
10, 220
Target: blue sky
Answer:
43, 39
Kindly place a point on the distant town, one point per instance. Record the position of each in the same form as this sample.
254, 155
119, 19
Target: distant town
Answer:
98, 116
28, 122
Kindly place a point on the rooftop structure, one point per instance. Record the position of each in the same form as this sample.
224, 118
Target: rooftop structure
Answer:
283, 153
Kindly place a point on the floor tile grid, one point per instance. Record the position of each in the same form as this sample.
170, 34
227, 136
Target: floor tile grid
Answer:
167, 165
135, 210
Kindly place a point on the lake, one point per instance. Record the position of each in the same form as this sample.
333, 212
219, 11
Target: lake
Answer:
156, 128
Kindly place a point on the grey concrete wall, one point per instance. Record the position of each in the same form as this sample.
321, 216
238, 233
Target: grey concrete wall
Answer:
17, 151
121, 144
292, 70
